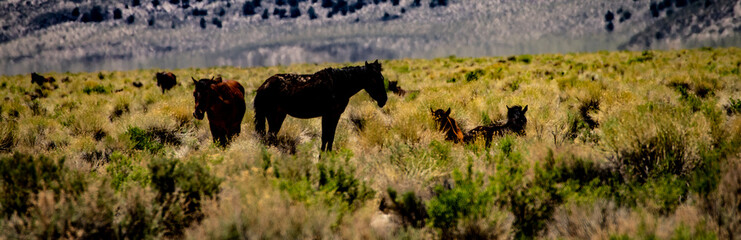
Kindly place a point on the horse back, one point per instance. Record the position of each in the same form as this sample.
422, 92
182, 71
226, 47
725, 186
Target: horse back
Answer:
230, 90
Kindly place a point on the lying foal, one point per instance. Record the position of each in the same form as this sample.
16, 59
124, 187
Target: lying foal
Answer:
516, 123
447, 124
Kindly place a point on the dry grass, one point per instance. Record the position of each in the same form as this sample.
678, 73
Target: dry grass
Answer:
398, 145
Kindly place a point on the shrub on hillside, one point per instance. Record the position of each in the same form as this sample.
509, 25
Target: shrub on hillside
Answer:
455, 211
57, 215
474, 75
344, 184
22, 176
410, 208
181, 187
733, 107
143, 140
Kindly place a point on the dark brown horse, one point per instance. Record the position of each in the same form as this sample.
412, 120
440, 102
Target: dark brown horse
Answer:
43, 82
223, 101
448, 125
516, 123
166, 80
322, 94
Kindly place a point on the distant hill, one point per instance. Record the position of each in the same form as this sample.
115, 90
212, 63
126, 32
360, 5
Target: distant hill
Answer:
85, 35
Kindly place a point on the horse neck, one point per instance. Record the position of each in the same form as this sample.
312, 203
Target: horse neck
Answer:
348, 81
514, 127
451, 126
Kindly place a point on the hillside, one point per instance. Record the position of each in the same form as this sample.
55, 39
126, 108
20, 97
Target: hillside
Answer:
617, 145
91, 35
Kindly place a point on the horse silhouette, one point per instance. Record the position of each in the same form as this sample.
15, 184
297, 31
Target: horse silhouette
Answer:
516, 123
166, 80
325, 94
223, 101
43, 82
448, 125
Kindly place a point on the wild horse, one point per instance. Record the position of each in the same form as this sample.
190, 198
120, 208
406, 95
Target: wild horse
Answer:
223, 101
322, 94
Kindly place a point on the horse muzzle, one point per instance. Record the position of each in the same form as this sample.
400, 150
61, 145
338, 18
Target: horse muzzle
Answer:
198, 115
381, 103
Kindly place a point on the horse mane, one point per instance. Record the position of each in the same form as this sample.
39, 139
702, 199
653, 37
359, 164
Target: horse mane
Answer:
345, 72
450, 127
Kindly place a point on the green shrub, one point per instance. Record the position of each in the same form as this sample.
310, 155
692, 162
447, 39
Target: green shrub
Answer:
467, 201
525, 58
688, 97
531, 201
645, 56
181, 186
22, 176
143, 140
123, 171
734, 106
440, 152
95, 89
409, 207
138, 218
663, 154
474, 75
343, 183
61, 215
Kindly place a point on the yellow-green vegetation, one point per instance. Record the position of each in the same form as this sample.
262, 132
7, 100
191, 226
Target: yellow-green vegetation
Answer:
619, 145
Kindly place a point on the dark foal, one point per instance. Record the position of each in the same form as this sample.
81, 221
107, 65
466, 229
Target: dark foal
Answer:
516, 123
223, 101
322, 94
448, 125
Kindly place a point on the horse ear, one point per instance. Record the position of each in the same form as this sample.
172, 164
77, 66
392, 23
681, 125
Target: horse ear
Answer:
447, 112
194, 80
212, 78
525, 109
507, 106
376, 62
366, 63
431, 111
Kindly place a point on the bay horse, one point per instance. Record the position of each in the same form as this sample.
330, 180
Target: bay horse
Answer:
223, 101
448, 125
325, 94
516, 123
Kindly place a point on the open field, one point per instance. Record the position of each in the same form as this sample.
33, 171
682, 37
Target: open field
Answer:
620, 145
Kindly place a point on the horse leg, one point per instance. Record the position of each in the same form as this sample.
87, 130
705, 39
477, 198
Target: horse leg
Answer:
275, 121
232, 132
218, 135
329, 125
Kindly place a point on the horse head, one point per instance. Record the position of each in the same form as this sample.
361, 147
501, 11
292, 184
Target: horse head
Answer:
374, 83
516, 116
440, 115
394, 86
447, 124
203, 95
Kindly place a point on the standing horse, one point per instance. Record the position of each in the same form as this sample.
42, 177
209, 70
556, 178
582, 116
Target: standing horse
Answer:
223, 101
166, 80
322, 94
448, 125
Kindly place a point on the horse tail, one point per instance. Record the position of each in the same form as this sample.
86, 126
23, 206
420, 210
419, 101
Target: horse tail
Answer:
260, 115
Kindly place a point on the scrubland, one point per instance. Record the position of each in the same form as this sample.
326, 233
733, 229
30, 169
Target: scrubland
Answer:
618, 145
